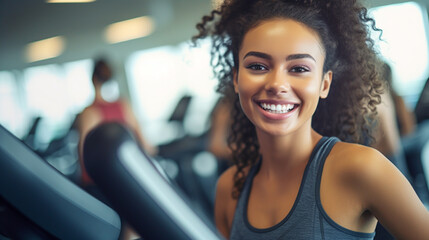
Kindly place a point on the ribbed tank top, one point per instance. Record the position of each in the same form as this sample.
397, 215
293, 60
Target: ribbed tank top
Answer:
307, 219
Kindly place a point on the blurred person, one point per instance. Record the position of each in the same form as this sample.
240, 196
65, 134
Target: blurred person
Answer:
405, 118
219, 133
101, 111
387, 130
387, 133
399, 137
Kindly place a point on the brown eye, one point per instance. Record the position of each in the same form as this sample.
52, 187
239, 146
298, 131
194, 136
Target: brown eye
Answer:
256, 67
300, 69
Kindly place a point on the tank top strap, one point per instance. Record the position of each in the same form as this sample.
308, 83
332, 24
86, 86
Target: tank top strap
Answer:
306, 199
306, 193
320, 155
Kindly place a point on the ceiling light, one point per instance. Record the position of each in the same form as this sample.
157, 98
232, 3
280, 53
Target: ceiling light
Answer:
44, 49
129, 29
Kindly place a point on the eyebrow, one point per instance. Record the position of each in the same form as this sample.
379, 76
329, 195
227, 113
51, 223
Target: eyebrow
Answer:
258, 54
299, 56
288, 58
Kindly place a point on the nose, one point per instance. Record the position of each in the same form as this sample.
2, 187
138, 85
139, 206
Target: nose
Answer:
277, 83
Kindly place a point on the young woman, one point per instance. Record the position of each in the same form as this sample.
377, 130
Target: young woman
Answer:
297, 71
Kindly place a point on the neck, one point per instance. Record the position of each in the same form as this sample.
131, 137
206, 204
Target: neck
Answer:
283, 154
98, 97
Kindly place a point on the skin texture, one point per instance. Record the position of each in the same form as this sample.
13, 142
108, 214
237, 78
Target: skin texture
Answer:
356, 186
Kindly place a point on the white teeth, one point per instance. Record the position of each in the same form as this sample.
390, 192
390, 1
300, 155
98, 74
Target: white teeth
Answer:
279, 108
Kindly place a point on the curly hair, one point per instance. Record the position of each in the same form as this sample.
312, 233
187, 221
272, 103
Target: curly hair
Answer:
343, 27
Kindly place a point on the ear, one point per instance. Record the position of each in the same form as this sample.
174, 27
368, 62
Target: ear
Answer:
235, 79
326, 84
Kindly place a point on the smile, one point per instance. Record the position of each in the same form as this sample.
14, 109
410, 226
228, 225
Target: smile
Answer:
277, 108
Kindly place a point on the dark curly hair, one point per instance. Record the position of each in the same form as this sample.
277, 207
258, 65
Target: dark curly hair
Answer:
343, 27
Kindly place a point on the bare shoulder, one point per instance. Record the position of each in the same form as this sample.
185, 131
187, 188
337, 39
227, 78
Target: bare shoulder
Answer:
382, 189
89, 112
358, 161
88, 119
225, 184
226, 179
225, 204
355, 150
361, 169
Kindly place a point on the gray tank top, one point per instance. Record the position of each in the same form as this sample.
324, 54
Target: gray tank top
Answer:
307, 219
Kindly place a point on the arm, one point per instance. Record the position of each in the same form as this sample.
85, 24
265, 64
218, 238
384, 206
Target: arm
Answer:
224, 203
390, 198
87, 120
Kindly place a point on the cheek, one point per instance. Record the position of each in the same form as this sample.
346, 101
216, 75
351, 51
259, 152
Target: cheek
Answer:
309, 93
247, 86
309, 87
244, 90
245, 96
246, 104
313, 90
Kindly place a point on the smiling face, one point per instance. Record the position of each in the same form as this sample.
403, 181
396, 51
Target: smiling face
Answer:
280, 76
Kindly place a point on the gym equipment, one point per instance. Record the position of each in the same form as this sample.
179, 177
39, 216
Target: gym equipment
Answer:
45, 201
137, 189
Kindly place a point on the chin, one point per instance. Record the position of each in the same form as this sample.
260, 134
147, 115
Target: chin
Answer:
276, 132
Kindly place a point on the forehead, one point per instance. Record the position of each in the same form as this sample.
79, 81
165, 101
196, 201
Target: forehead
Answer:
282, 36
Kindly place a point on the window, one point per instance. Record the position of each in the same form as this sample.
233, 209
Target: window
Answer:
11, 111
79, 89
160, 77
56, 93
404, 46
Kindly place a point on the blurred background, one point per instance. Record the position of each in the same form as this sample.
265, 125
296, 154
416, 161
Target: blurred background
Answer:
47, 52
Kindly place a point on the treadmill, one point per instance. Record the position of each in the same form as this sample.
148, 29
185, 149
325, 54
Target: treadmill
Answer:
38, 202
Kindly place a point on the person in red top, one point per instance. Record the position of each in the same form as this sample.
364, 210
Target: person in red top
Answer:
101, 111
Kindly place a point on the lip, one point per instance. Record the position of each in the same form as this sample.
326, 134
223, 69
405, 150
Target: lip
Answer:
273, 101
276, 116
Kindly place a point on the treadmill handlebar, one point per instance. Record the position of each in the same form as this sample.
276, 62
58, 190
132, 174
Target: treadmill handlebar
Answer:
137, 189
